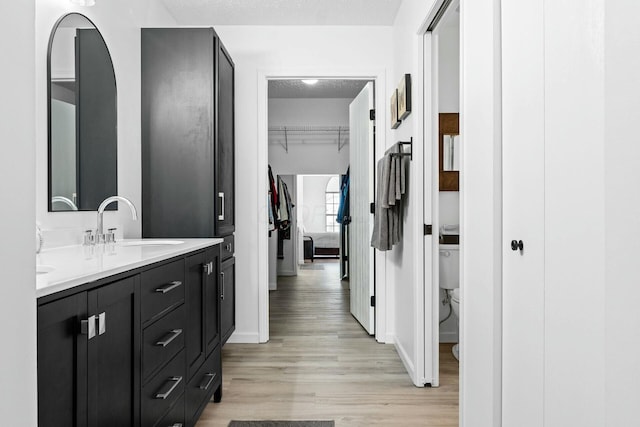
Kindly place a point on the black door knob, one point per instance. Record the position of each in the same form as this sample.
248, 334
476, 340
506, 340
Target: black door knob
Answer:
517, 244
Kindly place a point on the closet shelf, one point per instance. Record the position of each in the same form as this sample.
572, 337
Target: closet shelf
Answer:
283, 135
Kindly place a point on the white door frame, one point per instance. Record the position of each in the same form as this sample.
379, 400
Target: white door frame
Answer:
480, 124
379, 77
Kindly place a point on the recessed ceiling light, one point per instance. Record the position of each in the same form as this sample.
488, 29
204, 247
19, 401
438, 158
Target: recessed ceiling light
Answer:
310, 82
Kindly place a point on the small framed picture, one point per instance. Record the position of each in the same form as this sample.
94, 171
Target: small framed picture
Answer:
404, 97
394, 110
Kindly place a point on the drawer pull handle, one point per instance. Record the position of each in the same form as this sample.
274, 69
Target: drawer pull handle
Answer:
176, 425
88, 327
102, 323
221, 215
166, 340
227, 247
168, 388
206, 383
169, 287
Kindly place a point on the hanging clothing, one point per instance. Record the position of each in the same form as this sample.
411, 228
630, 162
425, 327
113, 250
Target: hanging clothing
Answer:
272, 203
390, 192
343, 207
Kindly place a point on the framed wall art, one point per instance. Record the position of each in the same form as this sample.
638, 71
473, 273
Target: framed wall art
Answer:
404, 97
395, 122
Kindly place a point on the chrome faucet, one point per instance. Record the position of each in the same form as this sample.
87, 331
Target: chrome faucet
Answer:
106, 202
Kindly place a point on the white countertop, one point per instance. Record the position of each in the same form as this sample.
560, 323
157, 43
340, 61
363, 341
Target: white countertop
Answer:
76, 265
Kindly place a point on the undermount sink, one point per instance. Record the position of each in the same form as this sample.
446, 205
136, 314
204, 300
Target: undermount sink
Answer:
44, 269
150, 242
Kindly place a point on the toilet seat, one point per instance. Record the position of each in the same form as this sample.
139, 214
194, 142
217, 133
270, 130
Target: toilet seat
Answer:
455, 295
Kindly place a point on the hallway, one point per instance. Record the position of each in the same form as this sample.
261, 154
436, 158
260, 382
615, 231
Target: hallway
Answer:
320, 364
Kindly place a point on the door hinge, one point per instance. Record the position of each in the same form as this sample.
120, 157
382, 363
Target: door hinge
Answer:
428, 229
372, 207
373, 301
372, 114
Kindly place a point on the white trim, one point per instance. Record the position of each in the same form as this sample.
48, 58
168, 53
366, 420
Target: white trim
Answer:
244, 338
263, 76
406, 361
432, 207
435, 8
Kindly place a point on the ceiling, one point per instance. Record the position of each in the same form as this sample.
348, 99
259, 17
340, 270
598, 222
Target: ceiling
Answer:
283, 12
325, 88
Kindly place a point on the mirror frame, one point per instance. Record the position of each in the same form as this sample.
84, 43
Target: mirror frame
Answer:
448, 124
113, 206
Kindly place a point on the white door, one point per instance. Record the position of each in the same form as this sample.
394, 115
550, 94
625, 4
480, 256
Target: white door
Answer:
361, 190
523, 212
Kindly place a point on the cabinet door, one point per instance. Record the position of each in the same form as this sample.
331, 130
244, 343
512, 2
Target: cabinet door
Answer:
194, 338
225, 145
228, 298
113, 372
62, 363
178, 132
211, 298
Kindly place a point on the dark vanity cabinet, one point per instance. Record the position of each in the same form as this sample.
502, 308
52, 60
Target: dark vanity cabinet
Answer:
227, 290
188, 148
188, 154
88, 343
204, 369
139, 349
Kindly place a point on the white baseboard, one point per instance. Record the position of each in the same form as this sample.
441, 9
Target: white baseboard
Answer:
406, 360
273, 286
449, 337
244, 338
286, 273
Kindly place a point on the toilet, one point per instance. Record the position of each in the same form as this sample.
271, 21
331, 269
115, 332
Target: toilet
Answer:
450, 280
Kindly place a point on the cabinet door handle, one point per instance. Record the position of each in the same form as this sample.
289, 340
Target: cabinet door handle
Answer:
102, 323
166, 340
169, 287
222, 286
221, 216
176, 425
206, 382
168, 387
88, 327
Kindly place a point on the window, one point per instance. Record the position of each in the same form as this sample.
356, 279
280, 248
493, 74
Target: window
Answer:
332, 201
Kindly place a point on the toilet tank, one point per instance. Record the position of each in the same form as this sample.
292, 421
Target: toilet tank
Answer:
449, 266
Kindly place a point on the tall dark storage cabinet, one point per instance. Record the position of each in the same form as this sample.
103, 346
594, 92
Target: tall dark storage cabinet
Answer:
188, 148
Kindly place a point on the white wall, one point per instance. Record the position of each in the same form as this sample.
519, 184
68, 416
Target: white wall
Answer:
622, 213
449, 65
318, 154
257, 50
405, 261
17, 185
119, 21
481, 220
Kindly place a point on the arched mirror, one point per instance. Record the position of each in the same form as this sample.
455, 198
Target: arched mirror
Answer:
82, 117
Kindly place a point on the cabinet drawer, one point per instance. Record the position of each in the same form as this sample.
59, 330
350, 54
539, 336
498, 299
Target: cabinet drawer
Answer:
202, 385
163, 390
162, 340
175, 417
162, 287
227, 247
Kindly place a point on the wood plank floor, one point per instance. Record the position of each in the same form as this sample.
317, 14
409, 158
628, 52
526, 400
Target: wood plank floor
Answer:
321, 365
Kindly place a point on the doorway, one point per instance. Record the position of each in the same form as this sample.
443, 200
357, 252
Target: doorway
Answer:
443, 251
310, 138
